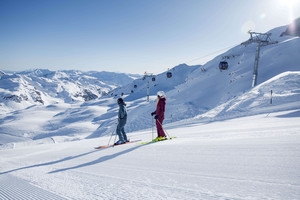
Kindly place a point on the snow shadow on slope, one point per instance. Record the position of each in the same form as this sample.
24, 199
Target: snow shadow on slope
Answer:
50, 163
7, 119
99, 160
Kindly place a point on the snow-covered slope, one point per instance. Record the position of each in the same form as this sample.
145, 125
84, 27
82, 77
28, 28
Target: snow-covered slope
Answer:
264, 98
253, 157
138, 88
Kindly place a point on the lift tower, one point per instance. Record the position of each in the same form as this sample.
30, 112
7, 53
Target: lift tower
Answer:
262, 39
148, 75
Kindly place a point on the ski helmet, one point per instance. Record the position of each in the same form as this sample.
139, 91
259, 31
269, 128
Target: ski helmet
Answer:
161, 94
120, 100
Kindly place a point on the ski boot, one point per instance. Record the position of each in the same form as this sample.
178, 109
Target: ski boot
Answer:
119, 142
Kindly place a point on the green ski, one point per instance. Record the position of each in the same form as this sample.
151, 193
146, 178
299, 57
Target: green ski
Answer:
152, 141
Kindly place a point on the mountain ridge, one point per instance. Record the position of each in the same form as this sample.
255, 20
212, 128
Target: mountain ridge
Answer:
43, 86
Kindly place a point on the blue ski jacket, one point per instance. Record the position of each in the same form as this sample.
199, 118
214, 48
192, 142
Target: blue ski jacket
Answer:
122, 116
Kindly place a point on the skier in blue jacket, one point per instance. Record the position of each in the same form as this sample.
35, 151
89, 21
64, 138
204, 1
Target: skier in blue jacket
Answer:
122, 118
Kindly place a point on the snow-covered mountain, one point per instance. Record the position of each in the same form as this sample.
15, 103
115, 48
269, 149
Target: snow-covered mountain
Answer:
138, 88
206, 89
45, 87
193, 92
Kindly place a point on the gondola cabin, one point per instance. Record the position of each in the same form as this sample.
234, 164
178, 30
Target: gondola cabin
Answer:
223, 65
169, 75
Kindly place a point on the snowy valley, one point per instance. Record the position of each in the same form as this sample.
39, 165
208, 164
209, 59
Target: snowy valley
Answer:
44, 87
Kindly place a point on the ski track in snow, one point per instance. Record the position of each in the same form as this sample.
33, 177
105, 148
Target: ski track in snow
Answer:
136, 189
15, 188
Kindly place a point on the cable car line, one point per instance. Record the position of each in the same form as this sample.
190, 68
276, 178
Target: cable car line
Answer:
211, 54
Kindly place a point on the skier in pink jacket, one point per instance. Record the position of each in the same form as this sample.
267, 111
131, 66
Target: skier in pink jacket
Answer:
160, 115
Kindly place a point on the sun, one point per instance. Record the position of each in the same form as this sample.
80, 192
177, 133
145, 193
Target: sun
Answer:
290, 5
288, 2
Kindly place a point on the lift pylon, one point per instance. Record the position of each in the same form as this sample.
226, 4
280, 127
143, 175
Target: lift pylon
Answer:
262, 39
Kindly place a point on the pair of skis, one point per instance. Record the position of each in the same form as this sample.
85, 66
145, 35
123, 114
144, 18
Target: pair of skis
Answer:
141, 143
153, 141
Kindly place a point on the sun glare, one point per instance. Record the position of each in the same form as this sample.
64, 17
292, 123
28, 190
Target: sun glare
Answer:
288, 2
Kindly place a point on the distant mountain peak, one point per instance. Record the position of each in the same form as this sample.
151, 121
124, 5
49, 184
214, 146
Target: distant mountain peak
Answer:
43, 86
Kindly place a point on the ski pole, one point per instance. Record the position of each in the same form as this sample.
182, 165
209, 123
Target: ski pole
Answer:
112, 134
152, 128
110, 137
115, 137
115, 140
163, 128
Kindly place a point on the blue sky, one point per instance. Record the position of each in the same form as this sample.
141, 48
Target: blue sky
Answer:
131, 36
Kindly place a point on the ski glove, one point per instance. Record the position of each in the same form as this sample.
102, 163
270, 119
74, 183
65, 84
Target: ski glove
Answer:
156, 117
153, 113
